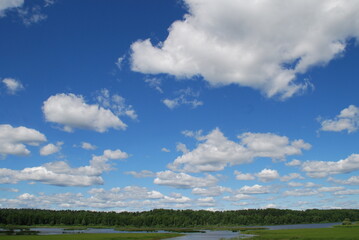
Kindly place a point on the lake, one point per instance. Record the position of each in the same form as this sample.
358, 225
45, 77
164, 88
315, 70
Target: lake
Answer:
207, 235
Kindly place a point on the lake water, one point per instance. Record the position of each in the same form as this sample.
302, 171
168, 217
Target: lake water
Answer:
207, 235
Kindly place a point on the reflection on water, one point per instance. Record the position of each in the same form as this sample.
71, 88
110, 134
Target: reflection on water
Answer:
207, 235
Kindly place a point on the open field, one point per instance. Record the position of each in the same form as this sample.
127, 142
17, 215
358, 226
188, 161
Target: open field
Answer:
307, 234
95, 236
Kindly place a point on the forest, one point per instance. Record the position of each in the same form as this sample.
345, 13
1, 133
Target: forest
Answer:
173, 218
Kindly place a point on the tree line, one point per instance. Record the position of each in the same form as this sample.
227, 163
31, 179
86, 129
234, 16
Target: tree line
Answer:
173, 218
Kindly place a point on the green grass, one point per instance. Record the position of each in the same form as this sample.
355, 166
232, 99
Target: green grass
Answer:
96, 236
307, 234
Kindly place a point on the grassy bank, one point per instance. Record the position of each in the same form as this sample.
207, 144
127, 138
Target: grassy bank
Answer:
307, 234
95, 236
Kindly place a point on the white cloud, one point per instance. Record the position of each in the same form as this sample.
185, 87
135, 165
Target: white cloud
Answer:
206, 202
291, 176
254, 44
270, 205
181, 147
238, 197
300, 192
51, 148
319, 169
13, 139
211, 191
348, 192
154, 83
49, 3
186, 97
183, 180
116, 154
267, 175
116, 103
9, 4
243, 176
31, 15
353, 180
165, 150
73, 112
129, 198
330, 189
119, 62
255, 189
215, 151
295, 184
142, 174
9, 189
348, 120
60, 173
12, 85
88, 146
294, 163
194, 134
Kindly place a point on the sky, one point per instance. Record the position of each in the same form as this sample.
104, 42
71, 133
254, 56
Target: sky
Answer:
132, 105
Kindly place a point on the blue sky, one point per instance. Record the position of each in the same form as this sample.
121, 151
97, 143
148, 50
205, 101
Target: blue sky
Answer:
132, 105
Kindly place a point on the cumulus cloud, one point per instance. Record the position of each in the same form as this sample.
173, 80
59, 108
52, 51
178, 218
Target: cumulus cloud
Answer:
61, 174
181, 147
267, 175
319, 169
9, 4
294, 163
255, 189
300, 192
348, 192
330, 189
206, 202
116, 154
12, 85
347, 120
183, 180
51, 148
13, 139
353, 180
88, 146
254, 44
73, 112
238, 197
211, 191
215, 151
291, 176
243, 176
129, 198
142, 174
